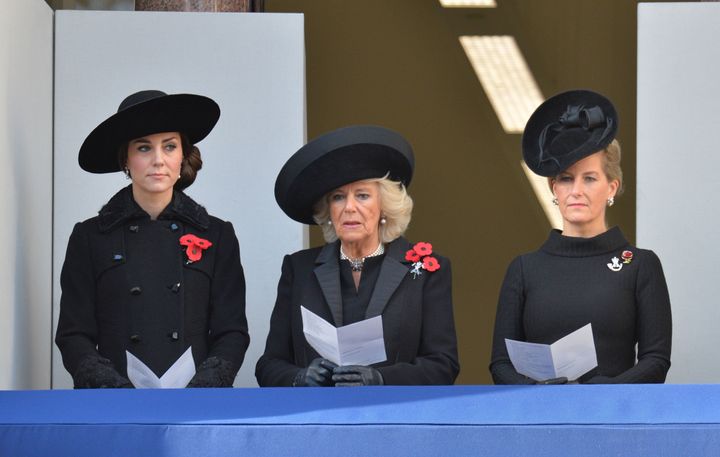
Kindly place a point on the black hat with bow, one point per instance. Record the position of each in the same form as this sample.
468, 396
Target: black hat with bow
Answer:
566, 128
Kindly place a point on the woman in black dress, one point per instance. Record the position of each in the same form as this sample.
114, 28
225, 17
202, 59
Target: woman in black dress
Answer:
586, 273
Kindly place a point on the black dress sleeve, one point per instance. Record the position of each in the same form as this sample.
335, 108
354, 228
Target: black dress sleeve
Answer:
509, 324
275, 368
653, 327
228, 329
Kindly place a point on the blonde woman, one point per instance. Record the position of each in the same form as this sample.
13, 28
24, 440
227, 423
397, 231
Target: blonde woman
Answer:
586, 272
352, 182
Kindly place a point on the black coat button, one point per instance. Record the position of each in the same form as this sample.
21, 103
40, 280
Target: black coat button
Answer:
135, 338
174, 335
135, 290
117, 257
174, 227
175, 287
134, 228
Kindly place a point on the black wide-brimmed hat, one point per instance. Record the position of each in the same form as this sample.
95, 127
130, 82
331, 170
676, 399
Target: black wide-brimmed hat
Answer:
145, 113
337, 158
566, 128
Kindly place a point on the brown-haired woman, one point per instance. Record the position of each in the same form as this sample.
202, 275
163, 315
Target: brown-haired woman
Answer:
153, 277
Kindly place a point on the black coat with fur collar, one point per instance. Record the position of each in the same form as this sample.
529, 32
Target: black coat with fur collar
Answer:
127, 286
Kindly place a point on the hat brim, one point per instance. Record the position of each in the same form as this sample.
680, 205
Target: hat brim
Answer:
192, 115
337, 158
573, 143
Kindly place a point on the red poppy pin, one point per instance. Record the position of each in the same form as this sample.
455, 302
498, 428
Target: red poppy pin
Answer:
195, 246
420, 257
627, 256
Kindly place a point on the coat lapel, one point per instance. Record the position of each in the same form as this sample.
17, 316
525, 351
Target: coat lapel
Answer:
328, 275
392, 272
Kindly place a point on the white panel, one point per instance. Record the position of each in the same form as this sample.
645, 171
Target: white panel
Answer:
678, 176
25, 193
251, 64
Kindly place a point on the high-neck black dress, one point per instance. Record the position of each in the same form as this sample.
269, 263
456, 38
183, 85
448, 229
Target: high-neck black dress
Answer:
570, 282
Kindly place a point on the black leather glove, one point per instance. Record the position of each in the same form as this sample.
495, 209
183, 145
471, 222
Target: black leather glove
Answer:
317, 374
560, 380
95, 372
214, 372
356, 375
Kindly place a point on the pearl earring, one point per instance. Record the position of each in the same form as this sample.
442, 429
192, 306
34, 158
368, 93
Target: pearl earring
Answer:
329, 222
611, 201
383, 221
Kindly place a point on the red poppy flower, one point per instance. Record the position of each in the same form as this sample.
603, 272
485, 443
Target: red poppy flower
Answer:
412, 256
194, 253
627, 256
431, 263
423, 249
188, 239
195, 246
202, 243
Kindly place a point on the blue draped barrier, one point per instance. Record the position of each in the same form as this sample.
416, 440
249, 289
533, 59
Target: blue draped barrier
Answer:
626, 420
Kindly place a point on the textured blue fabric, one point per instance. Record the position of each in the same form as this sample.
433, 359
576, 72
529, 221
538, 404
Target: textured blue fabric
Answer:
455, 420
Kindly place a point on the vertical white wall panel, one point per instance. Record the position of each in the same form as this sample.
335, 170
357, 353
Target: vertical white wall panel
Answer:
251, 64
26, 34
678, 172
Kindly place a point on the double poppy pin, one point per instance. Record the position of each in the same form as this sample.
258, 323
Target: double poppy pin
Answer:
421, 259
195, 246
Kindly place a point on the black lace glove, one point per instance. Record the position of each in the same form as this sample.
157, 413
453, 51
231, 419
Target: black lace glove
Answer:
96, 372
214, 372
356, 375
317, 374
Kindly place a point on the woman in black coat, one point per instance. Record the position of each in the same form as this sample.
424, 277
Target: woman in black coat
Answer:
352, 182
153, 276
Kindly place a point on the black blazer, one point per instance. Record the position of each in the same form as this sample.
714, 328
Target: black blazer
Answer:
127, 285
417, 314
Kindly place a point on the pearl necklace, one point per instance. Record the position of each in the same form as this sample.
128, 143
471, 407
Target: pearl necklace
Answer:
357, 264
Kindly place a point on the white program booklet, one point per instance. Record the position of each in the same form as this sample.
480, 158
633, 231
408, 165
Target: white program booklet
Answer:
571, 356
361, 343
177, 376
